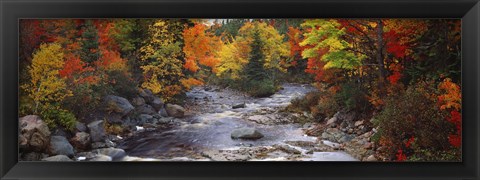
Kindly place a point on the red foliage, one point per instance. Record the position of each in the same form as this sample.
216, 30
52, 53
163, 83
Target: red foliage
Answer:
410, 141
394, 46
456, 118
73, 66
401, 156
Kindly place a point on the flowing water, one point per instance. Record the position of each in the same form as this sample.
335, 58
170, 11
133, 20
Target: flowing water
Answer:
210, 119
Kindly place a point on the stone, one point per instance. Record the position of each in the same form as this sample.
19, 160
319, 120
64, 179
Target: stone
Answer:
332, 120
59, 145
287, 149
97, 131
157, 103
358, 123
239, 106
81, 141
115, 153
174, 110
146, 109
80, 127
57, 158
371, 158
163, 112
118, 105
246, 133
34, 134
138, 101
147, 95
144, 118
101, 157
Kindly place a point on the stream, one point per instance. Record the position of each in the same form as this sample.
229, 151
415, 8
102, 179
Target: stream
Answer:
204, 133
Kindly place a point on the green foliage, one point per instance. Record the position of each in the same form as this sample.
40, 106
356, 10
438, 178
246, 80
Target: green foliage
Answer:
261, 88
121, 84
352, 97
55, 116
327, 35
90, 52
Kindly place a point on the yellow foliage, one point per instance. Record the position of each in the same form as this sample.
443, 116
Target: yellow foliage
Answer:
46, 85
188, 83
451, 96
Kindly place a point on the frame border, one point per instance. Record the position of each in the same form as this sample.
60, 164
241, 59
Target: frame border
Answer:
12, 10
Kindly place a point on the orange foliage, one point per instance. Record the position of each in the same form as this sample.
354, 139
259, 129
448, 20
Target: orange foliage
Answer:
188, 83
451, 96
111, 60
200, 47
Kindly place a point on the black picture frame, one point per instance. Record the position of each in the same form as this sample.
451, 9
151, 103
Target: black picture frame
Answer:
12, 10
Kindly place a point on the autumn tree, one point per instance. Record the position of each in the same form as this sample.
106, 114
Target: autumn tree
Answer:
160, 58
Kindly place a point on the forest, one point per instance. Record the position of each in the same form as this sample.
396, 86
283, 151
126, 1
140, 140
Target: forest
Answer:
379, 89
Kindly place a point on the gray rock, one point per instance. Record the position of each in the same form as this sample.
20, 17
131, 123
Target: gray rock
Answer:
246, 133
101, 157
138, 101
118, 105
81, 141
59, 145
164, 120
80, 127
144, 118
147, 95
174, 110
115, 153
238, 106
287, 149
146, 109
57, 158
358, 123
97, 131
163, 112
157, 103
34, 134
332, 120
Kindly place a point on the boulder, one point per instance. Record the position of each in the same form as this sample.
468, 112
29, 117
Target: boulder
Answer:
358, 123
371, 158
174, 110
157, 103
115, 153
138, 101
246, 133
59, 145
97, 131
101, 157
332, 120
147, 95
144, 118
118, 105
80, 127
163, 112
57, 158
81, 140
146, 109
239, 106
33, 134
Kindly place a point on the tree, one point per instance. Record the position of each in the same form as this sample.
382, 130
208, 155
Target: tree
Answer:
89, 44
201, 47
46, 86
161, 59
254, 70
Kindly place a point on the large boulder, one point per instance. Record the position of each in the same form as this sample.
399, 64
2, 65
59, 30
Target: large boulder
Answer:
246, 133
59, 145
138, 101
157, 103
33, 134
174, 110
81, 140
147, 95
97, 131
146, 109
118, 105
57, 158
80, 127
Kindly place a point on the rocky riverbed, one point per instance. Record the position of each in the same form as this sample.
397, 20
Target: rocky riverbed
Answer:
215, 124
225, 125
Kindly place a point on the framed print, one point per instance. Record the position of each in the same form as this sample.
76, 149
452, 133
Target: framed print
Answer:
239, 89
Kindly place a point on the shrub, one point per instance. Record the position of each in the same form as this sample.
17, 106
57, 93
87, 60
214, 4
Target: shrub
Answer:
54, 116
352, 97
262, 88
122, 84
411, 114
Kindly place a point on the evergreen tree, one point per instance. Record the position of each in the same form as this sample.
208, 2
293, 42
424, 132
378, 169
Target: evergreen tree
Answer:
255, 70
90, 52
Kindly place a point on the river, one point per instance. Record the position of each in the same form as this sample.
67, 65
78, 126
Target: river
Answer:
204, 133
